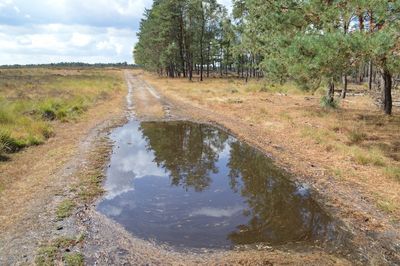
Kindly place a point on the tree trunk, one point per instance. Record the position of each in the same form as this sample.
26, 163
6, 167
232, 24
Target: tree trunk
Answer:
190, 70
361, 74
387, 91
182, 44
208, 60
331, 91
344, 90
370, 75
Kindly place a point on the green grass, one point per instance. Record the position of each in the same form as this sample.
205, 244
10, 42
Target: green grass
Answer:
328, 104
46, 256
32, 99
73, 259
356, 136
65, 209
386, 206
90, 186
9, 144
266, 86
393, 172
50, 254
362, 156
319, 135
64, 242
368, 157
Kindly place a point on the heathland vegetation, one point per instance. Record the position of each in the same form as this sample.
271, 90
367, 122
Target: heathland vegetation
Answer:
32, 100
310, 43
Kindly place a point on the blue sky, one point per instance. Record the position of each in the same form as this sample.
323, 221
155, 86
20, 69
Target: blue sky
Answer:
45, 31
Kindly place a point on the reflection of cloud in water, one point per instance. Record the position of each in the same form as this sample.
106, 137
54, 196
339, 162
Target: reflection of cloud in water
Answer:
225, 153
112, 210
116, 208
216, 212
130, 160
115, 188
302, 190
140, 164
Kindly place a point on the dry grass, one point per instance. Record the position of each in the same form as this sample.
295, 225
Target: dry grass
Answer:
356, 142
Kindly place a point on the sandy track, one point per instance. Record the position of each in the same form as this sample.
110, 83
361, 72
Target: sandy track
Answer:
145, 100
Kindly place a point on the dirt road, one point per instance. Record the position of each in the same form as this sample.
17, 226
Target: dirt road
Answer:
48, 174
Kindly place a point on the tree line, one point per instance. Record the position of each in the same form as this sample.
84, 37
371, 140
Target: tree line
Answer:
71, 65
311, 43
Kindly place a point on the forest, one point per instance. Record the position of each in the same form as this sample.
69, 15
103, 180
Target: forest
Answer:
328, 43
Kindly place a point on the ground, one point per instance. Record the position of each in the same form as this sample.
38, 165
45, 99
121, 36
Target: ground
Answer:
47, 183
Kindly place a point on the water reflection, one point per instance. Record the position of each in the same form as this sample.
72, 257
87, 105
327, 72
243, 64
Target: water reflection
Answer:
188, 151
193, 185
277, 209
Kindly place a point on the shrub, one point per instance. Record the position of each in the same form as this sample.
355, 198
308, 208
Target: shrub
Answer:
328, 103
356, 136
9, 144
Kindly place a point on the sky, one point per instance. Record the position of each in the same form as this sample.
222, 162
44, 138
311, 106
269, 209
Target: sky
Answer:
51, 31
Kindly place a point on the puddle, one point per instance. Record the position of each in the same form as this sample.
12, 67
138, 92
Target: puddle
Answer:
194, 186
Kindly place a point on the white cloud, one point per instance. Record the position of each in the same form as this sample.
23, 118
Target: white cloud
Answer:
45, 31
5, 3
80, 40
217, 212
17, 9
63, 43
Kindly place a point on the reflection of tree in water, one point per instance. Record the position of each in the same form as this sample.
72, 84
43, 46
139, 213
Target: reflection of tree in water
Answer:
189, 151
279, 211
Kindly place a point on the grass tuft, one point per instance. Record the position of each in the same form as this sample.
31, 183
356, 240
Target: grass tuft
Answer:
9, 144
73, 259
319, 135
50, 254
356, 136
91, 186
386, 206
368, 157
329, 104
393, 172
46, 256
65, 209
